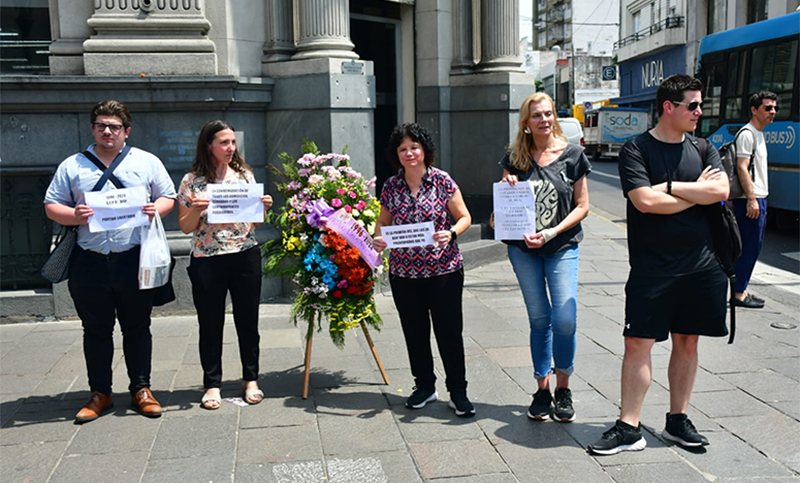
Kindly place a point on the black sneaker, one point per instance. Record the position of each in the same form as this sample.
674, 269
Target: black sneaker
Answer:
680, 429
461, 405
420, 397
562, 408
621, 437
541, 405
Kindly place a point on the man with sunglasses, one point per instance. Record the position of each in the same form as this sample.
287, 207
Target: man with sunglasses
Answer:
751, 208
103, 276
676, 288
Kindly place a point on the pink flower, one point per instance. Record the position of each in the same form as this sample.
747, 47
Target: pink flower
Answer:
361, 205
340, 191
352, 194
348, 208
342, 283
336, 202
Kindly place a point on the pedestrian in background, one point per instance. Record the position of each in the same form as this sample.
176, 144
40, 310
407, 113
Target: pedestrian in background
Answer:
546, 263
224, 258
104, 274
676, 286
427, 281
751, 208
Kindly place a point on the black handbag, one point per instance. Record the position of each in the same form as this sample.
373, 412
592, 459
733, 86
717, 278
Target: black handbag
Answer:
166, 293
55, 268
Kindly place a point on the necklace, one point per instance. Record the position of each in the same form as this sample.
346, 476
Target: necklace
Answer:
658, 137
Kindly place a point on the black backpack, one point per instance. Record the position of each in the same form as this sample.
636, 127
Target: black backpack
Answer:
727, 154
726, 236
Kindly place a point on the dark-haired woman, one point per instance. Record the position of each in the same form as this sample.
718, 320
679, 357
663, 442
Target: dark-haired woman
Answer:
547, 261
427, 281
225, 257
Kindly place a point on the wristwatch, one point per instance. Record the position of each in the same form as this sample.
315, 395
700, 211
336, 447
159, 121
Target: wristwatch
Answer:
453, 235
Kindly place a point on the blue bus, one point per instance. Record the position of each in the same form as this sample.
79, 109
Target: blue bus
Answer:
737, 63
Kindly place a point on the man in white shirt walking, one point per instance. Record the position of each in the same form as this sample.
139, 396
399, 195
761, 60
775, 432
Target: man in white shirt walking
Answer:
751, 208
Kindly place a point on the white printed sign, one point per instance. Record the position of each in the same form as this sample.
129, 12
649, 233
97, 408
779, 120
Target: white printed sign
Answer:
514, 210
116, 209
405, 236
235, 203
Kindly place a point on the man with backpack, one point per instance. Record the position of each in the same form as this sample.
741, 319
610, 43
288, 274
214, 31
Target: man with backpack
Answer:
676, 287
751, 204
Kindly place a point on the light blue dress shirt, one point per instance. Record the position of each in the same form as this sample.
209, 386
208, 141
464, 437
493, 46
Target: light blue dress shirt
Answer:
76, 176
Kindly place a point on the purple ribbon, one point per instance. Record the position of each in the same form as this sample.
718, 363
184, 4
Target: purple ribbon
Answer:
319, 213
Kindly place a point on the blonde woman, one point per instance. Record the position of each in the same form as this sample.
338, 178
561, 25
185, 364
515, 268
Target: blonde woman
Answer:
546, 263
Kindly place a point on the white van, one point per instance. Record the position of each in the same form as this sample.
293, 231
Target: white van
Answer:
571, 128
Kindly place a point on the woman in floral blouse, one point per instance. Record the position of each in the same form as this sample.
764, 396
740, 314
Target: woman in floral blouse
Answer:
225, 257
427, 281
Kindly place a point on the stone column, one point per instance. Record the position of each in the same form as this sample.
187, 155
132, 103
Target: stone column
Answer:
324, 30
500, 36
463, 61
151, 37
280, 31
69, 30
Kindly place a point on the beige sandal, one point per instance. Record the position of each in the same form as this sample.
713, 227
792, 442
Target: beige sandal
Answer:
215, 399
252, 396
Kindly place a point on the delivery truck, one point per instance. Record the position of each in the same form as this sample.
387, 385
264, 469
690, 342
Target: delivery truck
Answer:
606, 129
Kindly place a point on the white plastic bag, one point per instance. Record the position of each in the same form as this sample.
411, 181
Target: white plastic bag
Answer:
154, 258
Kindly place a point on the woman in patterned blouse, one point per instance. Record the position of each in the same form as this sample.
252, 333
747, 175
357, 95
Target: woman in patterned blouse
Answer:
427, 281
547, 260
225, 257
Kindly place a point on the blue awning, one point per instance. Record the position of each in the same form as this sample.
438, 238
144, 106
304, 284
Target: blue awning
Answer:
635, 98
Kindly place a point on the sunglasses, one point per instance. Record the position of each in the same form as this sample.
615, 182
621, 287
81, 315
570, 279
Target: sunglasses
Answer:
689, 105
101, 127
770, 107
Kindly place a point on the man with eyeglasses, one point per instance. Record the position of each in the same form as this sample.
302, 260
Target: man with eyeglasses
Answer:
103, 276
676, 288
751, 208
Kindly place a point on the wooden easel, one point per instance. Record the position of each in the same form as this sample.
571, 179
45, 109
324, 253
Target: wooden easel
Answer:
309, 337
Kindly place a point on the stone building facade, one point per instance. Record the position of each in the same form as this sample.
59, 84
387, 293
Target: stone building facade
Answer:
338, 72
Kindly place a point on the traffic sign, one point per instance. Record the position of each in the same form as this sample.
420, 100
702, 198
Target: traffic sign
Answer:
609, 72
587, 105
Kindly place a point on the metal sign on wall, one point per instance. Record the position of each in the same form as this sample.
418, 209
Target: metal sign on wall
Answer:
609, 72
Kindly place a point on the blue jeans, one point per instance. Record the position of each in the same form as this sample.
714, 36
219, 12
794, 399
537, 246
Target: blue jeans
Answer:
552, 319
752, 231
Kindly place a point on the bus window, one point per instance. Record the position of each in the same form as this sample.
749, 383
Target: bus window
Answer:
714, 80
774, 68
735, 88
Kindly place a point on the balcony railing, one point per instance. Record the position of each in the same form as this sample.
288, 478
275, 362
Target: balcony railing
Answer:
671, 22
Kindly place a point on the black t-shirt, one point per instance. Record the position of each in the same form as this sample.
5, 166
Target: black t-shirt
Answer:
665, 245
554, 196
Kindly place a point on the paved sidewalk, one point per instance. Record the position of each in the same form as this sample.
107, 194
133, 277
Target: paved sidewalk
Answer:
354, 429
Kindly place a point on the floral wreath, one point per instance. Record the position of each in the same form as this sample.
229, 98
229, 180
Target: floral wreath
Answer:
332, 278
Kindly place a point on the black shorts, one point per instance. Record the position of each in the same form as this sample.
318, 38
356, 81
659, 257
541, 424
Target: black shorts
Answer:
692, 304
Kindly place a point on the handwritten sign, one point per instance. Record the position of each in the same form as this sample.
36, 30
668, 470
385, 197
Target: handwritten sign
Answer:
117, 209
235, 203
514, 210
404, 236
356, 236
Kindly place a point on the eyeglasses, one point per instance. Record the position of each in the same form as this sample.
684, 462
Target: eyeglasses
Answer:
690, 105
770, 107
101, 127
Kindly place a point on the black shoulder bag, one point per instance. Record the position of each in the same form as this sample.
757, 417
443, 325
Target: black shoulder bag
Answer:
55, 268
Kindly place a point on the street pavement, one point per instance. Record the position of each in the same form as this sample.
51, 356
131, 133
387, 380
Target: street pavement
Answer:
354, 429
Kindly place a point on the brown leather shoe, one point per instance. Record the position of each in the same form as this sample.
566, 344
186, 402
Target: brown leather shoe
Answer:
144, 402
97, 405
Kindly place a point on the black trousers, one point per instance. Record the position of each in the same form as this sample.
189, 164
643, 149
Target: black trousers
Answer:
105, 288
212, 278
437, 298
